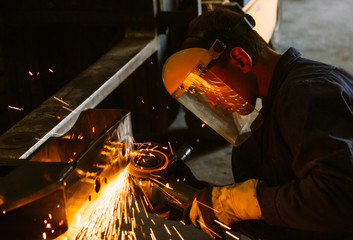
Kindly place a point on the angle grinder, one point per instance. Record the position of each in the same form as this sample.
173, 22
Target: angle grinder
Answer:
162, 177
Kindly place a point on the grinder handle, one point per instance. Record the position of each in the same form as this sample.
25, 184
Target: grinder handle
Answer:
175, 196
184, 152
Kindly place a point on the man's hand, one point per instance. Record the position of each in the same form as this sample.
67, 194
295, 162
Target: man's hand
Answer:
146, 191
200, 213
236, 202
213, 207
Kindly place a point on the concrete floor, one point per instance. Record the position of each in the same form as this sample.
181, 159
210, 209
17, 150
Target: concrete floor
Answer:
320, 30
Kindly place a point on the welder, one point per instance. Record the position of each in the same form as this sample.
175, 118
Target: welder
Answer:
292, 160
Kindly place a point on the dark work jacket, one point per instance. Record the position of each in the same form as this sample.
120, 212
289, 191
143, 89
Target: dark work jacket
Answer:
303, 153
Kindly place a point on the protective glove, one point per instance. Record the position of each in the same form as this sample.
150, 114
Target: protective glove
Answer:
226, 204
236, 202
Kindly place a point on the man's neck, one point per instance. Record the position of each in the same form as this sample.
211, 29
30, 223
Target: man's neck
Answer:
264, 69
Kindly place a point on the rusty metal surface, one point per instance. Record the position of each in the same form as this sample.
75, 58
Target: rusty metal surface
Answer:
63, 174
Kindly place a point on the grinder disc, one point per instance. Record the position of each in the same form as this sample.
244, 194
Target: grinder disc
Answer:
148, 163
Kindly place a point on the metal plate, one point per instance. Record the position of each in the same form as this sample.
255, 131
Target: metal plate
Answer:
18, 140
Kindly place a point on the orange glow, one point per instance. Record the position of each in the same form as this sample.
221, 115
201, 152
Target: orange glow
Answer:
115, 213
109, 211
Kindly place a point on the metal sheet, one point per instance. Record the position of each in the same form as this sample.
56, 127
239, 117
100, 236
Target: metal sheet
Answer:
64, 174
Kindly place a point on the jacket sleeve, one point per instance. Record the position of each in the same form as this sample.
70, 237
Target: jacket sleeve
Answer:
316, 122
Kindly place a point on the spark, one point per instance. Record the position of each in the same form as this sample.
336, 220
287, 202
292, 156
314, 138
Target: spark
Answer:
170, 146
166, 228
203, 124
165, 185
137, 207
209, 229
111, 208
50, 70
232, 235
181, 237
58, 117
68, 109
205, 205
152, 234
62, 101
30, 73
223, 225
114, 216
169, 195
16, 108
144, 208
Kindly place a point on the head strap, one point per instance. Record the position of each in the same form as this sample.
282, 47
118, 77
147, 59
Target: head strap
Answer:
246, 24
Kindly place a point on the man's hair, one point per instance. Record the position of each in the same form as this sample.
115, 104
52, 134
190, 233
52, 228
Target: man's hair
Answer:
205, 29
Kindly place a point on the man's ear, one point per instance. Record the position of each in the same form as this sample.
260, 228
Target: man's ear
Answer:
241, 59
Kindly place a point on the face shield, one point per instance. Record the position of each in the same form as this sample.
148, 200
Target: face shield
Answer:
187, 78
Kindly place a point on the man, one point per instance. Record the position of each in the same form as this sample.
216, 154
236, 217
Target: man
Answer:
292, 162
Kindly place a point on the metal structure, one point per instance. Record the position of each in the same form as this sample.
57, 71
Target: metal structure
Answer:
52, 184
60, 155
146, 29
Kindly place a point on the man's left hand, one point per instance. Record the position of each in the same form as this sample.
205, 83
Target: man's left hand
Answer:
200, 213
